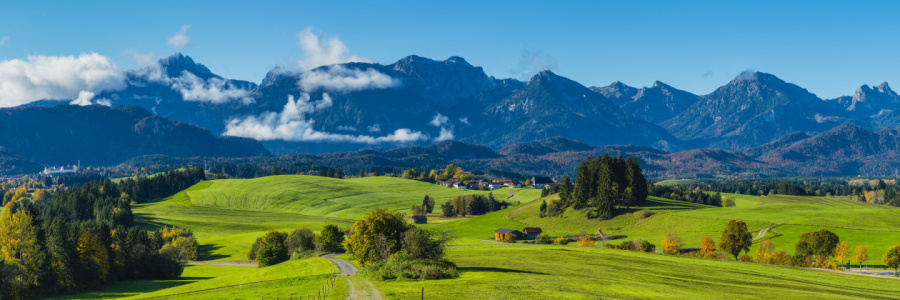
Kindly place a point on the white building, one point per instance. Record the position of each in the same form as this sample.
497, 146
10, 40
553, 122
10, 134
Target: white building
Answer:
49, 171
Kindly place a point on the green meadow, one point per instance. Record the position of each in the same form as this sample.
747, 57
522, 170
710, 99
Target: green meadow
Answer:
228, 215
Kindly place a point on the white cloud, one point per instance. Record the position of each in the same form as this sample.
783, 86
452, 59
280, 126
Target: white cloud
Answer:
214, 90
346, 128
56, 77
291, 125
3, 41
143, 59
446, 134
464, 120
374, 128
180, 39
438, 120
103, 101
84, 98
342, 79
320, 52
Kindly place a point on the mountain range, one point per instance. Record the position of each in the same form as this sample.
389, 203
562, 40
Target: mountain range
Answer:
417, 102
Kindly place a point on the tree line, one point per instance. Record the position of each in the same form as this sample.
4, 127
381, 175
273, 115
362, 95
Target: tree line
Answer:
83, 238
470, 205
869, 190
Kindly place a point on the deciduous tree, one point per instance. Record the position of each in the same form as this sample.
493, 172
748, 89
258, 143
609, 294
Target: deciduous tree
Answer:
891, 258
861, 255
735, 238
671, 243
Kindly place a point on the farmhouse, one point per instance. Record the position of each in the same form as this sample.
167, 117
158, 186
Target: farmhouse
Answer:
541, 181
420, 219
501, 233
532, 232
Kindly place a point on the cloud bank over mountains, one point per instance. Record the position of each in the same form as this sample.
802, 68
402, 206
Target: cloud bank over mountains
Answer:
56, 77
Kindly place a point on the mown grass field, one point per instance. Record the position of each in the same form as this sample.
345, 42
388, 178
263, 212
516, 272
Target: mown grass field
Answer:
679, 182
213, 281
227, 215
570, 272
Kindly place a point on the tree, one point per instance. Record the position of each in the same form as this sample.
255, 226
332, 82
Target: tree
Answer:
842, 251
428, 203
276, 171
543, 210
708, 246
565, 190
448, 210
764, 252
418, 210
19, 247
671, 243
424, 244
820, 242
735, 238
509, 238
891, 258
271, 249
94, 259
301, 239
331, 239
861, 255
377, 236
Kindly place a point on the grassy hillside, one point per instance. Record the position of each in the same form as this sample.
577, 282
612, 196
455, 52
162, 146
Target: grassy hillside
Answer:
679, 182
858, 223
569, 272
322, 196
213, 281
228, 215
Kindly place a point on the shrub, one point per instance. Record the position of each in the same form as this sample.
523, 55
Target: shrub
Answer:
745, 258
645, 213
627, 245
509, 238
645, 246
400, 265
560, 241
586, 241
671, 243
542, 239
301, 239
728, 202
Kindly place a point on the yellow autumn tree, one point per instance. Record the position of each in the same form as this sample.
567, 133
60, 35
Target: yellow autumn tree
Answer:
93, 256
585, 240
672, 243
707, 246
19, 244
842, 251
861, 255
764, 252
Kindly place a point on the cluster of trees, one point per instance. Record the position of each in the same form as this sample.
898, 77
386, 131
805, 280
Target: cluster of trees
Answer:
392, 248
83, 238
427, 207
161, 185
696, 195
870, 190
600, 186
275, 247
472, 205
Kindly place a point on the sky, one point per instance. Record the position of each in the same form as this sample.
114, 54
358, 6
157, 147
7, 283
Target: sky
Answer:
829, 47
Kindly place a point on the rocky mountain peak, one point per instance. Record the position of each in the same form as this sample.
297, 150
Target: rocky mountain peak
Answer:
177, 63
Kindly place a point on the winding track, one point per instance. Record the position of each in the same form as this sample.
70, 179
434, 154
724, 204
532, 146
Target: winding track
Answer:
347, 269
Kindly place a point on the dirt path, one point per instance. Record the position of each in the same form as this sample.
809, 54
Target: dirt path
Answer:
762, 232
360, 288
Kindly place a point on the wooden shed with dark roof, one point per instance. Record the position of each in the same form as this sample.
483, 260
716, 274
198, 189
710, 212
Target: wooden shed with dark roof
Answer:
501, 233
532, 232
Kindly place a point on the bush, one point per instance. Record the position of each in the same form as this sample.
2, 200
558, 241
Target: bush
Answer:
400, 265
509, 238
671, 243
645, 213
645, 246
560, 241
745, 258
728, 202
586, 241
543, 239
301, 239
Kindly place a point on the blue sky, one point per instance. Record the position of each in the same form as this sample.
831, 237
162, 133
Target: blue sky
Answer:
828, 47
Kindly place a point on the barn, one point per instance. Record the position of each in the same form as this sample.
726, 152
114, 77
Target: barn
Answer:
532, 232
501, 233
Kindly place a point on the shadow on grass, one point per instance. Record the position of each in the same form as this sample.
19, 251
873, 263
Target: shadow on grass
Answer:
206, 252
498, 270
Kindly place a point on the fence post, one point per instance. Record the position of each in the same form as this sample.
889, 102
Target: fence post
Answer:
423, 293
